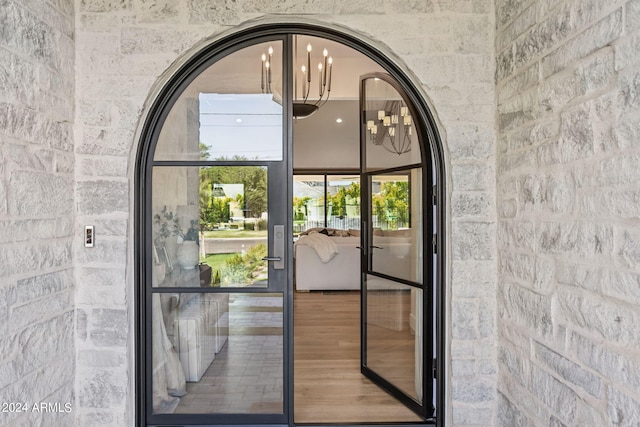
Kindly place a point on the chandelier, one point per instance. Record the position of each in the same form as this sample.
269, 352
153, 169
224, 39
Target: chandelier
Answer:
392, 128
305, 106
265, 76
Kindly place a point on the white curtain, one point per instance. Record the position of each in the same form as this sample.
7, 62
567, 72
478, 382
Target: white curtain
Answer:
169, 382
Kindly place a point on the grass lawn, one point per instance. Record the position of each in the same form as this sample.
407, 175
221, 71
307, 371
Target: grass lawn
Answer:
226, 234
216, 261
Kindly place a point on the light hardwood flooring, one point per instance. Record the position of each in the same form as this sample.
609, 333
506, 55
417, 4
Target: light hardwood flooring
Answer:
329, 387
246, 376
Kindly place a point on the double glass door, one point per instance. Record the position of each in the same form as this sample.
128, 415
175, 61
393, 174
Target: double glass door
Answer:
217, 321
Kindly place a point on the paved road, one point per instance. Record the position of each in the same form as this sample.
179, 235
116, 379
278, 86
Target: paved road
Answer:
231, 245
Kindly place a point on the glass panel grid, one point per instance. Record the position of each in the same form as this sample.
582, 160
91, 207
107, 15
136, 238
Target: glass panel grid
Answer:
393, 336
210, 226
396, 218
232, 111
218, 353
390, 133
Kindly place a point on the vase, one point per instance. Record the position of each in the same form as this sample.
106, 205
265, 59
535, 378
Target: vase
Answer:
188, 254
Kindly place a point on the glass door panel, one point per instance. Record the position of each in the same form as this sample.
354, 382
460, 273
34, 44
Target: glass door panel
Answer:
218, 353
393, 342
392, 244
396, 219
389, 133
231, 111
217, 231
392, 285
213, 219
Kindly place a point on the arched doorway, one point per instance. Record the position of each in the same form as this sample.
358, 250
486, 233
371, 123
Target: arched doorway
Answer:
191, 179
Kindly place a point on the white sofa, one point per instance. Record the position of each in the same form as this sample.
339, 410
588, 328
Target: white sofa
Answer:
343, 271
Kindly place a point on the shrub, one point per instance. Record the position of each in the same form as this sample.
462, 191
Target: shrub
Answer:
234, 271
240, 269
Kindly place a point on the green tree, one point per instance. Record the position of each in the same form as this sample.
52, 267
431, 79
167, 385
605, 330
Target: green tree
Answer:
204, 151
300, 209
346, 195
255, 191
391, 204
254, 179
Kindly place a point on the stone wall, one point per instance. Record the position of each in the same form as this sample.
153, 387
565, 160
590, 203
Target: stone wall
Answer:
36, 212
123, 46
568, 204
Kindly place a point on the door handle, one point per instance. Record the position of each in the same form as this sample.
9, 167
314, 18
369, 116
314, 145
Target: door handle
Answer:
376, 247
278, 248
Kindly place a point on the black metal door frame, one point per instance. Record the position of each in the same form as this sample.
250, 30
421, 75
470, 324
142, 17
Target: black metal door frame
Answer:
150, 131
424, 407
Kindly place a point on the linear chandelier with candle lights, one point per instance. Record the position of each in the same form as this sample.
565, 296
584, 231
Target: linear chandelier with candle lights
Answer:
305, 106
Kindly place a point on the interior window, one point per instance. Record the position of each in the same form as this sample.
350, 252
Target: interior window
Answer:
327, 201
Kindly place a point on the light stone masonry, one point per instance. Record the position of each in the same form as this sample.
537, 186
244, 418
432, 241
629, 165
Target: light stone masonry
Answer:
568, 212
74, 80
37, 210
123, 46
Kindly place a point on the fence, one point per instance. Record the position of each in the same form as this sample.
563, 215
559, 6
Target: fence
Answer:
346, 223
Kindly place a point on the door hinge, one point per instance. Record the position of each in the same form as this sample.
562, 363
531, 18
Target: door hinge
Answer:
434, 369
435, 243
435, 195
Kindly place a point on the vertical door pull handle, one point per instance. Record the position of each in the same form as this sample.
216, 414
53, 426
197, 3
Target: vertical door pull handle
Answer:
278, 247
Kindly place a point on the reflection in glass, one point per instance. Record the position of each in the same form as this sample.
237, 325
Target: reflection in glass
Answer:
223, 114
240, 127
210, 226
397, 224
218, 353
308, 202
394, 338
389, 128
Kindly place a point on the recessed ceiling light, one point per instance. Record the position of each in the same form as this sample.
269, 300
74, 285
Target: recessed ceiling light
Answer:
238, 120
338, 120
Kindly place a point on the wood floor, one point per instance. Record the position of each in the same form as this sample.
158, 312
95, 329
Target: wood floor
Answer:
329, 387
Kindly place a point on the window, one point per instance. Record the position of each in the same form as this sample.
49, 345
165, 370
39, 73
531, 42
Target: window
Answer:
326, 200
